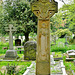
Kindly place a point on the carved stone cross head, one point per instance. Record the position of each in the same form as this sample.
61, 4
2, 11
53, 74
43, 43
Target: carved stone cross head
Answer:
10, 28
44, 9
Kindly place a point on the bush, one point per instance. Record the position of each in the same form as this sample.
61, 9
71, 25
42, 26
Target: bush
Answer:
59, 49
11, 69
55, 48
62, 32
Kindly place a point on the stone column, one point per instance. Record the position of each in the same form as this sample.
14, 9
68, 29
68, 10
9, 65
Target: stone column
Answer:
43, 48
10, 40
43, 9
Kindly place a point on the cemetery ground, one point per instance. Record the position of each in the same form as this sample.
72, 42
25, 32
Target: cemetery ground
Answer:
58, 53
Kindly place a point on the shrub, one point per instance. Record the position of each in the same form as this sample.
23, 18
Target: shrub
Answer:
59, 49
63, 32
11, 69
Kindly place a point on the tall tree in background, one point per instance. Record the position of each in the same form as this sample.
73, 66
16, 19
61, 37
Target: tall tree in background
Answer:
19, 13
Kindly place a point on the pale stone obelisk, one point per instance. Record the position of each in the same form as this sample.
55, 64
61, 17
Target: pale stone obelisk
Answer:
10, 54
43, 9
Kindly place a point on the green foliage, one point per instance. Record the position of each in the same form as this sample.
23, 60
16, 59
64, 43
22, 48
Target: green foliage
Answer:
69, 15
61, 32
11, 69
62, 49
59, 49
56, 21
19, 14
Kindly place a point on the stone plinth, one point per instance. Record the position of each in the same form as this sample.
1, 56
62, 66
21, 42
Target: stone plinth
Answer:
11, 55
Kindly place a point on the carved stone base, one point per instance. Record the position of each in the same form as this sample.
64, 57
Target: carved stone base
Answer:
11, 55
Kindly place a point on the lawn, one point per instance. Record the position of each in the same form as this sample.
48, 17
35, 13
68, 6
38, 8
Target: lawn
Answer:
63, 49
5, 63
21, 67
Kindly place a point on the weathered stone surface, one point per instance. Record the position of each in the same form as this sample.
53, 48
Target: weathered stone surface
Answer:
30, 50
11, 55
43, 9
71, 53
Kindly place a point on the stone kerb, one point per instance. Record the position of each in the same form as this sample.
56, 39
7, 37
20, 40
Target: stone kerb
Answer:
29, 69
63, 67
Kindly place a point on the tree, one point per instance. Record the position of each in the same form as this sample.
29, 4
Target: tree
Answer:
69, 15
19, 13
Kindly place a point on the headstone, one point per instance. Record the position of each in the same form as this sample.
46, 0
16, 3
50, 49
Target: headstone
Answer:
17, 42
13, 37
66, 43
30, 50
54, 39
61, 44
10, 54
23, 38
19, 37
44, 10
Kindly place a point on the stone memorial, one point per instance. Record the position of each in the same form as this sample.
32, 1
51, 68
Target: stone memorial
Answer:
17, 42
66, 43
44, 10
71, 53
30, 50
61, 44
10, 54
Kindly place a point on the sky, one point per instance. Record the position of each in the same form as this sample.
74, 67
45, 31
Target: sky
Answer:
60, 3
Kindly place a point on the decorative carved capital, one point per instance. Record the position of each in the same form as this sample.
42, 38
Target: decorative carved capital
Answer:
44, 9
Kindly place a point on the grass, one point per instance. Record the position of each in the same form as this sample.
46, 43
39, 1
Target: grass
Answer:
5, 63
69, 66
61, 48
57, 55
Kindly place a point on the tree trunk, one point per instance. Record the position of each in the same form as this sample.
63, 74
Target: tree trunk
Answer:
26, 37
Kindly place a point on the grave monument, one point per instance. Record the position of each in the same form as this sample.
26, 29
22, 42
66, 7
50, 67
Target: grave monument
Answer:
10, 54
66, 37
30, 50
44, 10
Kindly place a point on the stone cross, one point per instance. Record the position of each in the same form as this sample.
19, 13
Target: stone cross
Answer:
10, 29
43, 9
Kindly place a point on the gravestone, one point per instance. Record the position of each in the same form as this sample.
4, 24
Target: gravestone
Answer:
66, 43
44, 10
10, 54
71, 53
17, 42
30, 50
61, 44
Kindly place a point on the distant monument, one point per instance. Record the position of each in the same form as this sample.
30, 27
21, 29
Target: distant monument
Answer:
66, 43
18, 42
44, 10
10, 54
